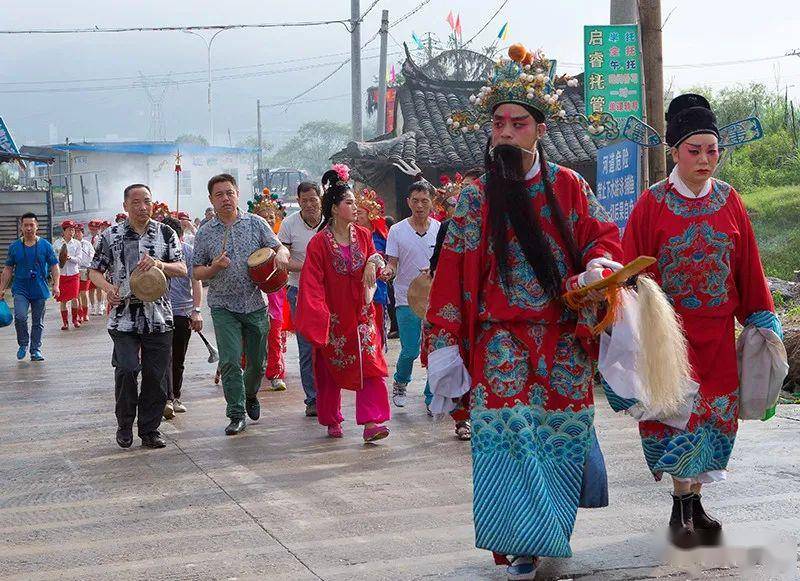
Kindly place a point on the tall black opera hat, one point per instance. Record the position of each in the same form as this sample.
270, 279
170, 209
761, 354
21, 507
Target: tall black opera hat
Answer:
687, 115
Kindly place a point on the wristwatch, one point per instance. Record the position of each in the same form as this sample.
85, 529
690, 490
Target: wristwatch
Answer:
197, 310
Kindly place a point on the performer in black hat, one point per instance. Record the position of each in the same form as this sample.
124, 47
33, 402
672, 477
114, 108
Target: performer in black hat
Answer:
708, 263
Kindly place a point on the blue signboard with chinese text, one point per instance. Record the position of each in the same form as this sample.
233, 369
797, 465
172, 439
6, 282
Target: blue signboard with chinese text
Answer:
618, 180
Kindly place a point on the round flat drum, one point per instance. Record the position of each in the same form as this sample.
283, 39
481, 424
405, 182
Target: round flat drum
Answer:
149, 285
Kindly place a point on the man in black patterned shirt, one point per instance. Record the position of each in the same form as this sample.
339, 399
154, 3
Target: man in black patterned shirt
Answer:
138, 327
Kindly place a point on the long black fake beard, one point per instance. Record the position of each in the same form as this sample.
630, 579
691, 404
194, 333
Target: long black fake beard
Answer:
509, 202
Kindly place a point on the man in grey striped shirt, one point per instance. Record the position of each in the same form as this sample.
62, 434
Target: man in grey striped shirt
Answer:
221, 249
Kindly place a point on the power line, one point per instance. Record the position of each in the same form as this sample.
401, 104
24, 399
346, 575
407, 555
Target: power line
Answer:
329, 75
332, 98
193, 72
137, 85
97, 29
410, 13
368, 10
488, 22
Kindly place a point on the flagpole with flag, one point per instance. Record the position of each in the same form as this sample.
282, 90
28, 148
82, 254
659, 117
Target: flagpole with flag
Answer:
503, 32
451, 21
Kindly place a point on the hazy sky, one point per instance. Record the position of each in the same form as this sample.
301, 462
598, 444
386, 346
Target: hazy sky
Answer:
695, 34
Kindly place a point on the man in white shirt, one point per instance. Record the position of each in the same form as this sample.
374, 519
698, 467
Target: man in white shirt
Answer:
295, 233
409, 248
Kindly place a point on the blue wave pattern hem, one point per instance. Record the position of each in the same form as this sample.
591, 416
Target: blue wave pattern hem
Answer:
527, 470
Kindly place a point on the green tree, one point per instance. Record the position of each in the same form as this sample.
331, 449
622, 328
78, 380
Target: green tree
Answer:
312, 146
191, 138
7, 177
771, 161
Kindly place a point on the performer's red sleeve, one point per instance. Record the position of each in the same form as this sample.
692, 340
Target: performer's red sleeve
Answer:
313, 316
637, 239
751, 282
596, 235
448, 307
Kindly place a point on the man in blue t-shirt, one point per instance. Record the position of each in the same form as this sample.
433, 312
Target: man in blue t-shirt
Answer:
29, 260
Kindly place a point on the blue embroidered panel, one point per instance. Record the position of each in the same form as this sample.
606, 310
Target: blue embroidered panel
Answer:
571, 375
696, 264
506, 364
680, 206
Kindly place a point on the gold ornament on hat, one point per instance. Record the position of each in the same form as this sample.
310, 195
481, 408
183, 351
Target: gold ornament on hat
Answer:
369, 201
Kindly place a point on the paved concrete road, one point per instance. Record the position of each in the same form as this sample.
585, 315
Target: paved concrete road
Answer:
282, 501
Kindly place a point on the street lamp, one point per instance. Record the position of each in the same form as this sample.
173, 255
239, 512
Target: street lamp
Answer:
210, 113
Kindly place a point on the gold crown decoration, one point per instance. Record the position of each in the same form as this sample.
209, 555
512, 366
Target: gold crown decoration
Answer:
265, 202
368, 200
528, 78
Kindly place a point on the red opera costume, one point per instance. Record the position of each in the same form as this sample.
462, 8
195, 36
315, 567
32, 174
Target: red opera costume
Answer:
530, 363
709, 266
333, 315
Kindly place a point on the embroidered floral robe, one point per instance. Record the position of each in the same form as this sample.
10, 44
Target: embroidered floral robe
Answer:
331, 310
531, 397
709, 266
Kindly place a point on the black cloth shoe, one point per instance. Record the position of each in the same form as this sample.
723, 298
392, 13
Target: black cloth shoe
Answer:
700, 519
681, 526
153, 440
236, 426
124, 437
311, 410
709, 530
253, 407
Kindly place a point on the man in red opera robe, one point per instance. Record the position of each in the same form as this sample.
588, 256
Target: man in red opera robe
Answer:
335, 314
500, 330
709, 265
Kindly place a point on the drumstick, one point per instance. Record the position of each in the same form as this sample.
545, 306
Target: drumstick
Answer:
213, 354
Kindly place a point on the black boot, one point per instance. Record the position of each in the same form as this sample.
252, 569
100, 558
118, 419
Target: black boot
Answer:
681, 526
708, 529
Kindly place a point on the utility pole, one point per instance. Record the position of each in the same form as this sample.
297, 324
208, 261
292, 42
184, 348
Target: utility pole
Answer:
260, 160
382, 74
355, 69
624, 12
652, 55
68, 178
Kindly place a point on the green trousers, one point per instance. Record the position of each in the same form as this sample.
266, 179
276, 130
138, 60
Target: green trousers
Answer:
237, 332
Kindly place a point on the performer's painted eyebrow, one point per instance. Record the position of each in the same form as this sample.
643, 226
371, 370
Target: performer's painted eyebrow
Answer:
512, 117
699, 146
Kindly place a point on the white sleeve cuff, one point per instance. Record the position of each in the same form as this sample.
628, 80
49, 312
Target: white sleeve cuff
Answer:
377, 260
448, 378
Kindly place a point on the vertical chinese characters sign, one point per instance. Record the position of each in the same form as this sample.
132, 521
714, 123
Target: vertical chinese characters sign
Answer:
618, 183
613, 64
